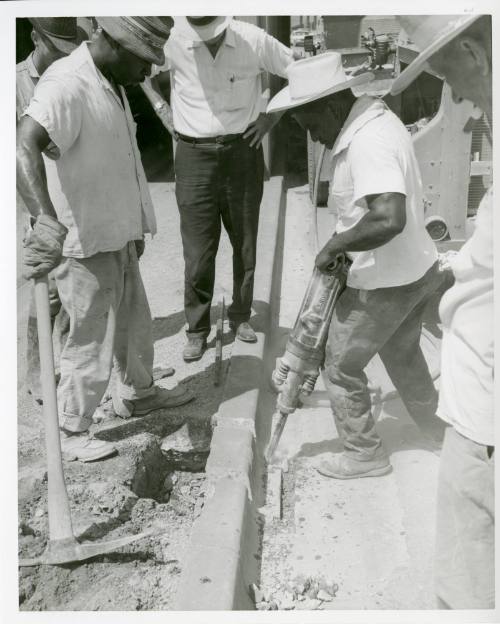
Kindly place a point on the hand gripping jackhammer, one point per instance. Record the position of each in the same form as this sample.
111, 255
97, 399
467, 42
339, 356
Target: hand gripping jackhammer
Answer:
296, 372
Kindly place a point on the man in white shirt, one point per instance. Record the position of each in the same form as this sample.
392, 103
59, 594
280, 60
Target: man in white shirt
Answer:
458, 47
80, 107
215, 66
53, 38
377, 192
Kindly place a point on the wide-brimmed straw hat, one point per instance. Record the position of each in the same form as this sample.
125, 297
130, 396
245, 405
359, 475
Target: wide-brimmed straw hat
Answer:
429, 33
62, 32
313, 78
203, 27
144, 36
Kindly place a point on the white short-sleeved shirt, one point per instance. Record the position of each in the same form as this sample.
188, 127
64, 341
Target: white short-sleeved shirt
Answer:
27, 77
212, 97
466, 397
104, 199
374, 154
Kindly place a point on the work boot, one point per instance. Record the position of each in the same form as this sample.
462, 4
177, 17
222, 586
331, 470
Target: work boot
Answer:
243, 331
162, 399
194, 348
80, 447
342, 466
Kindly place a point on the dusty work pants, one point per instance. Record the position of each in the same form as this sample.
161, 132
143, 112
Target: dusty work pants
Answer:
110, 321
387, 321
60, 327
218, 182
465, 533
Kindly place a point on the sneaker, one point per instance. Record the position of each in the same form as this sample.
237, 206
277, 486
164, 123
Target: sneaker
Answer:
342, 466
244, 332
79, 447
194, 348
162, 399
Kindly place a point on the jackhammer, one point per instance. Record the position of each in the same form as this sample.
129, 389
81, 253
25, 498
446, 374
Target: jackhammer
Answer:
296, 372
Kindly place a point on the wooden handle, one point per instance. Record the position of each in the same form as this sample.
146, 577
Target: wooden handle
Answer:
219, 334
60, 526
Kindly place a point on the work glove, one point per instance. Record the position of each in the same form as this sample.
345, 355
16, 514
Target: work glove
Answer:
140, 245
328, 255
43, 247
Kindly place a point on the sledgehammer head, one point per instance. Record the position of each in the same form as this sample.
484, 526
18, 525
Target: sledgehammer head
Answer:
59, 552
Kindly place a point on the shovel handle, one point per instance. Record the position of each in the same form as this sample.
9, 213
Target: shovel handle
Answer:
60, 526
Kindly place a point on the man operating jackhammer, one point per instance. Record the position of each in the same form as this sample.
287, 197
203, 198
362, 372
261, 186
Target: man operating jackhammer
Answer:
81, 107
377, 193
53, 38
458, 47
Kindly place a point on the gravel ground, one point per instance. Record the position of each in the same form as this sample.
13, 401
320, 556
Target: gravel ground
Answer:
139, 488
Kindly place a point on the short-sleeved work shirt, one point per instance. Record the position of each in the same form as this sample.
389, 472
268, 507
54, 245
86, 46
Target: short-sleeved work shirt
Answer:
27, 77
106, 200
222, 95
374, 154
466, 396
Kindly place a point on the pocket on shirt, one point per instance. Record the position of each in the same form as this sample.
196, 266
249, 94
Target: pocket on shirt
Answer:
239, 93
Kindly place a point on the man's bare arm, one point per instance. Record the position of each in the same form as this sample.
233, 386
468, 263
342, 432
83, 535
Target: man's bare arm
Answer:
385, 219
32, 139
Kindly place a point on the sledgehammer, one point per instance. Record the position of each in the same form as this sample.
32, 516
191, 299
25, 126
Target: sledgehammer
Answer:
62, 547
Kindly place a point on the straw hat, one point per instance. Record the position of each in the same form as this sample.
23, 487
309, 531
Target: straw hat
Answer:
202, 28
313, 78
63, 32
143, 36
429, 33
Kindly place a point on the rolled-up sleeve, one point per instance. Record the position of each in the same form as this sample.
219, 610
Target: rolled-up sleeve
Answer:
376, 166
58, 109
273, 55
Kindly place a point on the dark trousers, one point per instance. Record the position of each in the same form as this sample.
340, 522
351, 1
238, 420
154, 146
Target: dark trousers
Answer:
387, 321
218, 183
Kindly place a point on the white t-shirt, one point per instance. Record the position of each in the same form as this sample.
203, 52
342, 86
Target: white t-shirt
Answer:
372, 155
466, 310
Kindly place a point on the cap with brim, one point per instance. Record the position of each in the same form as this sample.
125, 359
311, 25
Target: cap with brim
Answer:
205, 32
143, 36
62, 32
307, 80
430, 33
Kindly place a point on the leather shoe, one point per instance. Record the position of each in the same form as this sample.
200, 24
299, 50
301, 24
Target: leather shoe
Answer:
79, 447
342, 466
161, 399
194, 348
244, 332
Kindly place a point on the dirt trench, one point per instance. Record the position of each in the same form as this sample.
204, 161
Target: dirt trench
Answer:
151, 493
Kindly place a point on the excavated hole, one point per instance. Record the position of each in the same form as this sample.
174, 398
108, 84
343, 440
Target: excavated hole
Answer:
140, 489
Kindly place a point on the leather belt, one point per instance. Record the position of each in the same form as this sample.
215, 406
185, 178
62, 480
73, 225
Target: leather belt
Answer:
219, 140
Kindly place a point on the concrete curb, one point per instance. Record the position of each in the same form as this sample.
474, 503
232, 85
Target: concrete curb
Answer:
222, 557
